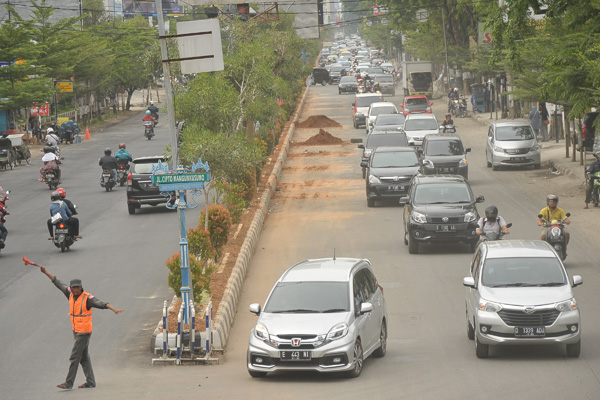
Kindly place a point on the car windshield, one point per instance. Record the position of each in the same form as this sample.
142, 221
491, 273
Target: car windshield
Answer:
337, 69
144, 167
444, 148
523, 271
348, 79
396, 119
309, 297
390, 139
514, 133
420, 125
394, 159
419, 101
442, 193
367, 101
382, 110
372, 71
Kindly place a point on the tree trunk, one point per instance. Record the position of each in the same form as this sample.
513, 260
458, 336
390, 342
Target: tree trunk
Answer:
129, 94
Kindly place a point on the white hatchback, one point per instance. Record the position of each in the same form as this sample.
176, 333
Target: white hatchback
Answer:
383, 107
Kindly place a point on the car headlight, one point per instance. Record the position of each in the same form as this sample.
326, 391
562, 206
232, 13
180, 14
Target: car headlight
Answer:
418, 217
498, 149
337, 332
462, 163
489, 306
368, 152
374, 180
261, 333
470, 216
535, 148
569, 305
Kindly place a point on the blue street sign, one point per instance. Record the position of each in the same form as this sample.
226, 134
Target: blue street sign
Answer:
167, 187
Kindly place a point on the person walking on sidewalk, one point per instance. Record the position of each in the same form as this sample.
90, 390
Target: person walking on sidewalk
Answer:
545, 122
535, 120
592, 169
81, 304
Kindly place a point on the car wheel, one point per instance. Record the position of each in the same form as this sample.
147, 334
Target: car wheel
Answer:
470, 329
573, 350
339, 91
537, 166
257, 374
131, 208
380, 352
481, 350
358, 360
370, 202
494, 167
323, 83
489, 164
405, 238
413, 245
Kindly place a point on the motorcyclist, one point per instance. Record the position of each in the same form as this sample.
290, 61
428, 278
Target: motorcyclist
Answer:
108, 162
63, 196
453, 95
3, 213
376, 87
592, 169
148, 116
51, 161
122, 153
52, 139
447, 123
553, 212
153, 110
492, 223
59, 206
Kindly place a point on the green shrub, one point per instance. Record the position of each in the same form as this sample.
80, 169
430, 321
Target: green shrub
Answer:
219, 224
199, 245
199, 275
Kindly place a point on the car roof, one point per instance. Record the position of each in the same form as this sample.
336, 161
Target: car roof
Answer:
382, 104
437, 136
421, 116
518, 248
511, 123
438, 178
369, 95
322, 269
395, 149
149, 158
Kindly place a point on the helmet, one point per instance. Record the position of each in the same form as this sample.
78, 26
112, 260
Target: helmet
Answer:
455, 90
121, 145
551, 197
49, 130
597, 154
48, 149
491, 212
54, 196
107, 152
151, 102
62, 192
148, 112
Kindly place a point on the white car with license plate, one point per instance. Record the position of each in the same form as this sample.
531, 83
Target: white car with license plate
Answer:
325, 315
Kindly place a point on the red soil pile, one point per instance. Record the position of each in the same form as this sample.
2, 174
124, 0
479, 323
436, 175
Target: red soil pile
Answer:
322, 138
318, 121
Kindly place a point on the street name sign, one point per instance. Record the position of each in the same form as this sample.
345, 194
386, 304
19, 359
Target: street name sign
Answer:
169, 182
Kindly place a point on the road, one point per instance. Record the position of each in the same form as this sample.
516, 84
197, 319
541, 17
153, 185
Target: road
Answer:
320, 208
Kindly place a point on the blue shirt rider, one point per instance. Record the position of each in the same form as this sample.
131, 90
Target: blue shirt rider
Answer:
122, 153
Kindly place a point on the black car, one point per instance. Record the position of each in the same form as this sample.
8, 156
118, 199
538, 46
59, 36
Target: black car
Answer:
386, 83
397, 139
348, 84
140, 189
390, 172
444, 154
388, 122
440, 209
336, 72
321, 75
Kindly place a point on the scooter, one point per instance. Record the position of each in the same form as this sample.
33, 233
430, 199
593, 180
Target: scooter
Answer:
596, 190
123, 168
148, 129
62, 238
108, 181
462, 108
555, 235
52, 178
3, 217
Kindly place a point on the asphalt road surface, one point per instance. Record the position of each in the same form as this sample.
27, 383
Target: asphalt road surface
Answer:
320, 208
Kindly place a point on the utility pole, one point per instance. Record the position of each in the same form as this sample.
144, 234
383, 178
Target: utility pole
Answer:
446, 49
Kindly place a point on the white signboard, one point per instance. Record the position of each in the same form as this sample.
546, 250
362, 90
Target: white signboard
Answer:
204, 40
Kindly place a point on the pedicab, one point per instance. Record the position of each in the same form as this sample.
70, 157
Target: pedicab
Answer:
20, 148
478, 97
7, 154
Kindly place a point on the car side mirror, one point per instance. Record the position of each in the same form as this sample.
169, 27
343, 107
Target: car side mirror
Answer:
479, 199
364, 164
468, 150
356, 140
469, 282
361, 146
365, 308
254, 308
403, 200
577, 280
509, 225
401, 106
568, 215
430, 104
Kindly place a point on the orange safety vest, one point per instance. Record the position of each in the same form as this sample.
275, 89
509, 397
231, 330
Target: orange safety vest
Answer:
81, 319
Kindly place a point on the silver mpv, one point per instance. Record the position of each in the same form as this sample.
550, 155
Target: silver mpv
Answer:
512, 144
518, 293
325, 315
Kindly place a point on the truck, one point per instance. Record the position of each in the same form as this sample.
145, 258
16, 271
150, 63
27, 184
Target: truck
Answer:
417, 78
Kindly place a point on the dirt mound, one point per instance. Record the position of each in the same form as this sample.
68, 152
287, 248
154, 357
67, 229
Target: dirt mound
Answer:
318, 121
322, 138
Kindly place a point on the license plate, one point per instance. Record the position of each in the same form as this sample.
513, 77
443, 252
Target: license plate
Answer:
445, 228
530, 331
65, 231
295, 355
518, 159
396, 188
49, 175
447, 170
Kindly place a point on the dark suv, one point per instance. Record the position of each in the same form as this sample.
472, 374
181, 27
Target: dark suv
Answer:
444, 154
396, 139
140, 189
440, 209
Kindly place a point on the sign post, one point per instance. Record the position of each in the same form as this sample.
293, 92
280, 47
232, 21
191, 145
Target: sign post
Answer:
180, 180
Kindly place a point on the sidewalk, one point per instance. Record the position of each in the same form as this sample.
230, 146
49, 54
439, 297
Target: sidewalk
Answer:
553, 154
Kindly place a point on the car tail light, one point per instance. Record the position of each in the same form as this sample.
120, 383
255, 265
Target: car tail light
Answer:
129, 179
61, 226
584, 133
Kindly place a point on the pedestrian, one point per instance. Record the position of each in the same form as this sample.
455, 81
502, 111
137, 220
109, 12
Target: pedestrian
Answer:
545, 121
591, 176
81, 305
535, 120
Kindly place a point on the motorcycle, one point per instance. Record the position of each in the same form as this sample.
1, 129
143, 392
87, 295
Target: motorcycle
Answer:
555, 235
108, 181
148, 129
454, 105
67, 136
52, 178
451, 129
122, 170
487, 236
3, 198
462, 108
62, 238
596, 190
